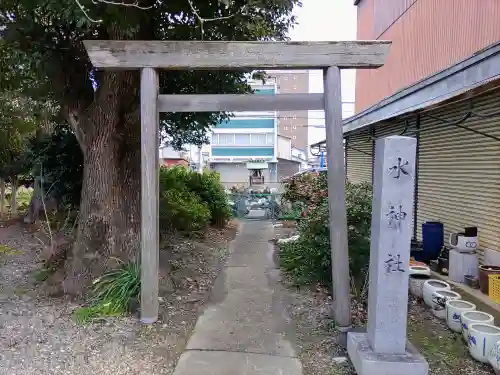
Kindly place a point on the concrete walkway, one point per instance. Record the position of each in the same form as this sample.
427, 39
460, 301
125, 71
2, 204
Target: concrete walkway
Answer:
245, 329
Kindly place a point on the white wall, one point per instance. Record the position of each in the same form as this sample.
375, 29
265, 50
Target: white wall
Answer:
284, 150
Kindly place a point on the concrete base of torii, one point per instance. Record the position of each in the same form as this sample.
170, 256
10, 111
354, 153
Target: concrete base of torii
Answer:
367, 362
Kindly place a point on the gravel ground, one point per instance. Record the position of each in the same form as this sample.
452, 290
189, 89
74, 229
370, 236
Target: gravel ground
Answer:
39, 337
310, 309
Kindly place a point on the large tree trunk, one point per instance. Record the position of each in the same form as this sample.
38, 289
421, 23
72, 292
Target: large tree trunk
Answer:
109, 219
2, 196
13, 198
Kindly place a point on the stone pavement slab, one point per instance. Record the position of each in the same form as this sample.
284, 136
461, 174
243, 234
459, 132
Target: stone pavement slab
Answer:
245, 329
224, 363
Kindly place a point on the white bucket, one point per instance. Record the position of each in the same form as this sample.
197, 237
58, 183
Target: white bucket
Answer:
430, 286
454, 308
482, 338
469, 317
439, 298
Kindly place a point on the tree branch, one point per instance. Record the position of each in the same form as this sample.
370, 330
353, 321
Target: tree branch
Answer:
71, 117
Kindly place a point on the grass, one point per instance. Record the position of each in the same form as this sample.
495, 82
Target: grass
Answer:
439, 347
111, 294
42, 274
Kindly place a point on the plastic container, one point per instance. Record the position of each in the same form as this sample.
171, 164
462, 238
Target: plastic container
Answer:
482, 338
454, 308
484, 272
432, 240
469, 317
494, 287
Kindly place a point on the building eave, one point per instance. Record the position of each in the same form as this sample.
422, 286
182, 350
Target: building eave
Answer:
481, 68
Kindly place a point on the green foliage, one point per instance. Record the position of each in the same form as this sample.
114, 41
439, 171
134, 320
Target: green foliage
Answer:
182, 210
59, 159
198, 193
46, 37
308, 259
112, 294
306, 190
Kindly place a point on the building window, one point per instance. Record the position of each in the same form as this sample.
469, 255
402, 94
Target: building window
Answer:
295, 117
258, 140
285, 78
226, 139
294, 127
294, 78
270, 139
294, 137
294, 87
242, 139
215, 139
285, 128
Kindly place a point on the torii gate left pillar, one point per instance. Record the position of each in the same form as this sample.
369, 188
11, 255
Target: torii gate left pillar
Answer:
196, 55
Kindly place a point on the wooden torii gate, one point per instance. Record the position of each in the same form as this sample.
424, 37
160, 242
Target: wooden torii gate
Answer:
148, 56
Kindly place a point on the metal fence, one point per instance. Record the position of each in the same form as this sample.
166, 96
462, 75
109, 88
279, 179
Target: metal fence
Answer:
262, 206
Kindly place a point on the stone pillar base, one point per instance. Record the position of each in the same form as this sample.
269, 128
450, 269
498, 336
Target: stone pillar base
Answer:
367, 362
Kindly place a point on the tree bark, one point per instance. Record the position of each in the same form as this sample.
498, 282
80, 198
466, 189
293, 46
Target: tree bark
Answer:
2, 196
109, 218
13, 199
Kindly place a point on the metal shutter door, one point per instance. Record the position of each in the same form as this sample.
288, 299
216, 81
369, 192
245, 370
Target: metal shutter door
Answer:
359, 157
459, 172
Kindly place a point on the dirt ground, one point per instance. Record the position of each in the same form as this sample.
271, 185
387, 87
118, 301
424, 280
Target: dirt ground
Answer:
310, 309
38, 335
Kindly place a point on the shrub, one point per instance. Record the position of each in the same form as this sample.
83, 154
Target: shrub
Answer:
206, 187
308, 260
182, 210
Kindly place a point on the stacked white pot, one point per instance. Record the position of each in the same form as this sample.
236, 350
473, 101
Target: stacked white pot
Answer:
454, 308
482, 339
494, 357
439, 299
470, 317
430, 286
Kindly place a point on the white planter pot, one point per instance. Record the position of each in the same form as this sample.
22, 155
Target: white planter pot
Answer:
430, 286
469, 317
419, 270
482, 338
494, 357
454, 308
439, 298
416, 285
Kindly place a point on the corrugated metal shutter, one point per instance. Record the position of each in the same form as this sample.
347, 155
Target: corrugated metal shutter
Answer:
388, 129
359, 157
459, 172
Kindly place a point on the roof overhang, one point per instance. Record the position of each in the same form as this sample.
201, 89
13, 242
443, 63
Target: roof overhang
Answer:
469, 77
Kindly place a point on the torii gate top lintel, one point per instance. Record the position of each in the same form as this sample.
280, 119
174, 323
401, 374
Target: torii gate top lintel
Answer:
216, 55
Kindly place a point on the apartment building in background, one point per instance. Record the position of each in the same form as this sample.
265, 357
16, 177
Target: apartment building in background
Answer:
441, 85
292, 124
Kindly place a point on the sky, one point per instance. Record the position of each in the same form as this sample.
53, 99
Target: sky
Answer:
326, 20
